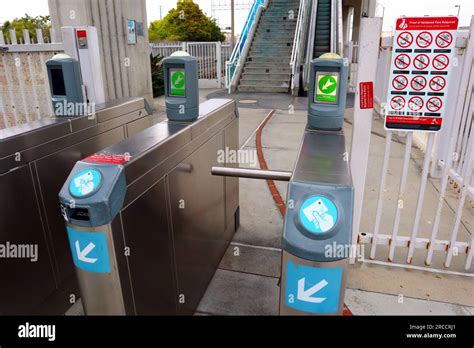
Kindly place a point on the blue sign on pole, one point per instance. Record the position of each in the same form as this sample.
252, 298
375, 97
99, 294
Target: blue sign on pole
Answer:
311, 289
318, 214
89, 250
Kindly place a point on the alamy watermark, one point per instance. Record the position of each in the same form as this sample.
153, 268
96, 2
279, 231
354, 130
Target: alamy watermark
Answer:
227, 155
19, 251
71, 109
343, 251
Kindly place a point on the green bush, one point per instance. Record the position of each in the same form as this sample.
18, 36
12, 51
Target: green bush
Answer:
157, 75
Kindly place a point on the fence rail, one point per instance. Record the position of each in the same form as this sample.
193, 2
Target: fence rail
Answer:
24, 88
210, 55
436, 229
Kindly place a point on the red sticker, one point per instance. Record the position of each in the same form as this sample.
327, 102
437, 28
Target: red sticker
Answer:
444, 39
405, 39
418, 83
366, 93
437, 83
397, 103
424, 39
415, 103
434, 104
402, 61
421, 61
400, 82
440, 62
108, 159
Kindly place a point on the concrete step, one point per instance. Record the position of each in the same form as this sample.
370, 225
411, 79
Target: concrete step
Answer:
251, 69
282, 24
263, 45
262, 89
271, 77
276, 40
267, 83
272, 59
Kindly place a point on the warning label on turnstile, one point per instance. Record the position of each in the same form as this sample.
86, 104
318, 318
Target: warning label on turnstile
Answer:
423, 54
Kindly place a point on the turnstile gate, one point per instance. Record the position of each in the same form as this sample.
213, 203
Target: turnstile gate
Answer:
36, 268
148, 230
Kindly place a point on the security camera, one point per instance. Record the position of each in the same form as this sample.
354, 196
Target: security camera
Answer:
3, 48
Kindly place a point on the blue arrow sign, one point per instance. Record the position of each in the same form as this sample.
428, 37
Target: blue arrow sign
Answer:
89, 250
311, 289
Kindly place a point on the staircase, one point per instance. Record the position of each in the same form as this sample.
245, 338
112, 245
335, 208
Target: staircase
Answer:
267, 67
322, 42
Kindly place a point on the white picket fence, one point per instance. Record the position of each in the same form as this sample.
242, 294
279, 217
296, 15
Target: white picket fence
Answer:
439, 238
211, 58
24, 88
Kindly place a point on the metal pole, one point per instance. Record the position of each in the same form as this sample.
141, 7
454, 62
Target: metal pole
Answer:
252, 173
232, 24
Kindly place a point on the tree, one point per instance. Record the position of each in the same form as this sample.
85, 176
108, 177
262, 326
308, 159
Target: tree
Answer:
186, 22
29, 23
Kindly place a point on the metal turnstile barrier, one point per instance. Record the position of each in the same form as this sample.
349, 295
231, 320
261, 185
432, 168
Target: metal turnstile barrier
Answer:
35, 159
148, 231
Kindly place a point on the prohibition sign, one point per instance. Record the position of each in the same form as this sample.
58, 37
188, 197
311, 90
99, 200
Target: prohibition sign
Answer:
400, 82
440, 62
405, 39
444, 39
402, 61
434, 104
437, 83
415, 103
397, 103
418, 83
421, 61
424, 39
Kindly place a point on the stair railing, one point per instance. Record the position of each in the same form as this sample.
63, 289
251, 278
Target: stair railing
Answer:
296, 45
236, 61
303, 36
336, 27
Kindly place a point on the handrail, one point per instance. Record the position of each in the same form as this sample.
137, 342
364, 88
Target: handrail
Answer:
233, 62
296, 43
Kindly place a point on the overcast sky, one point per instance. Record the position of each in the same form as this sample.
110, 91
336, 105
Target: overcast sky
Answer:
393, 9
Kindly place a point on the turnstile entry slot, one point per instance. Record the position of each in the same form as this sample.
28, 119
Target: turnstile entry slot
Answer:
163, 205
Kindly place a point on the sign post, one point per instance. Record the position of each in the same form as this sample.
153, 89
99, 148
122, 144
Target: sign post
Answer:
423, 54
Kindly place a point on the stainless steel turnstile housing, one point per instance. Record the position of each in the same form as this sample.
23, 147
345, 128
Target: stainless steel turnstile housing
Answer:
35, 159
176, 221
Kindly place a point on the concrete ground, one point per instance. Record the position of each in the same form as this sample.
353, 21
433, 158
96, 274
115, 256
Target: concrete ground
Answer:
246, 282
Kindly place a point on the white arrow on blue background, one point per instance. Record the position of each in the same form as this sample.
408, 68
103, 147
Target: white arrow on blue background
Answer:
82, 254
305, 295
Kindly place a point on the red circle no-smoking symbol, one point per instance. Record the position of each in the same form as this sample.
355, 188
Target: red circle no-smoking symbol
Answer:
415, 103
424, 39
421, 61
434, 104
444, 39
440, 62
418, 83
397, 103
437, 83
400, 82
402, 61
405, 39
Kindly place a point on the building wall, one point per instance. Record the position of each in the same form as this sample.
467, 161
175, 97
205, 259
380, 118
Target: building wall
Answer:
126, 68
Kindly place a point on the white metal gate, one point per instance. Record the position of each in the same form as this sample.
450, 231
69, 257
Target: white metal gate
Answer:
210, 56
417, 210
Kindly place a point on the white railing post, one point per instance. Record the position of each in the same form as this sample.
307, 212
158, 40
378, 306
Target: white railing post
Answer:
370, 29
219, 63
